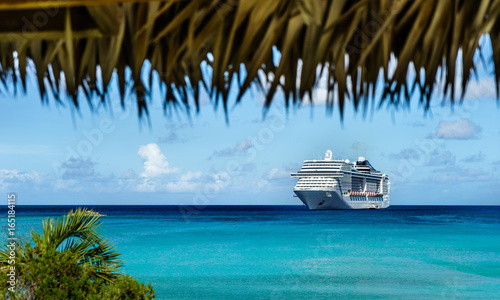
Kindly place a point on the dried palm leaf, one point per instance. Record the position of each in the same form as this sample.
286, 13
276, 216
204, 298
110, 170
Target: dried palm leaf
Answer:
350, 42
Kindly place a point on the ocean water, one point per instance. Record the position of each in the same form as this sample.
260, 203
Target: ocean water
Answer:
289, 252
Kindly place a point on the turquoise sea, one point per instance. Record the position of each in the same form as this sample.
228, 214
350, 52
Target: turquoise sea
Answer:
289, 252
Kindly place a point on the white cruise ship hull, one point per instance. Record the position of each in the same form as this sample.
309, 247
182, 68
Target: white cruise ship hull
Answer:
324, 199
339, 184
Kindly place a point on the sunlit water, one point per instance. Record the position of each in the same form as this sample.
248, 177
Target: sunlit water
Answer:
284, 252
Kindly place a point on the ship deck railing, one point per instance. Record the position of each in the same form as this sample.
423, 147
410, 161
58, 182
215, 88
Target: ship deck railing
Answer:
315, 174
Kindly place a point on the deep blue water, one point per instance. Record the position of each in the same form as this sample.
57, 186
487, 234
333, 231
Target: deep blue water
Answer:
279, 252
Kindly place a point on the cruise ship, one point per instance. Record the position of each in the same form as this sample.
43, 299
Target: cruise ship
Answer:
340, 184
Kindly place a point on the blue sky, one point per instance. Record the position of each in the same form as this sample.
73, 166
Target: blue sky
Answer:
52, 155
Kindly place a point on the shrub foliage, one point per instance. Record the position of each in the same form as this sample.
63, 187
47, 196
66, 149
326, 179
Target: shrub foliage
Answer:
68, 260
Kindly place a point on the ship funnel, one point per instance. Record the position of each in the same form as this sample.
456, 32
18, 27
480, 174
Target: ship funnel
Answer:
328, 155
361, 158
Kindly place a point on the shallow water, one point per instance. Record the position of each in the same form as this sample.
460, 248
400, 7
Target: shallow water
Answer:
275, 252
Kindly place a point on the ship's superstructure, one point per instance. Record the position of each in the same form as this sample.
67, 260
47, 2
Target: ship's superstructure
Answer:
340, 184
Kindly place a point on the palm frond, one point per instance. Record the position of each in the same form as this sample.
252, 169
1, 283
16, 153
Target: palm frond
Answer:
76, 233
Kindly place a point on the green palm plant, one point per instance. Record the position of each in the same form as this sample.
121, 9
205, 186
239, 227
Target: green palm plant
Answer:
69, 245
76, 233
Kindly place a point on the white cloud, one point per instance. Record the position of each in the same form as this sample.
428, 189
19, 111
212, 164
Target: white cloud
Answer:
475, 158
172, 137
197, 181
12, 179
188, 182
460, 129
72, 185
262, 185
438, 158
274, 179
408, 153
238, 149
78, 168
484, 88
155, 162
158, 174
458, 174
78, 174
72, 175
417, 157
276, 173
